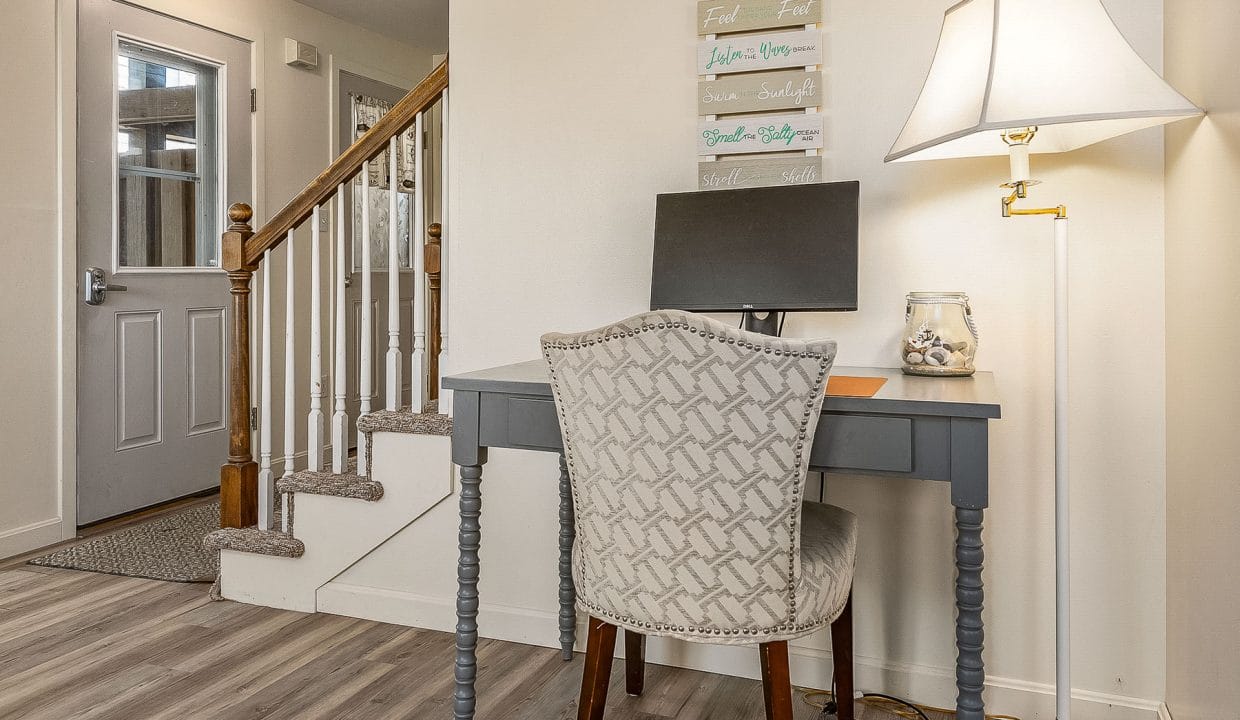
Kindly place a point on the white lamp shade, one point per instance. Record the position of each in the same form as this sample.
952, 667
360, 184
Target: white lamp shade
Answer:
1060, 65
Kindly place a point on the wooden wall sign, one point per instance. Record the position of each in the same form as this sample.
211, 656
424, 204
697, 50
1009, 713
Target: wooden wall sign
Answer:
761, 172
729, 16
771, 51
775, 133
759, 92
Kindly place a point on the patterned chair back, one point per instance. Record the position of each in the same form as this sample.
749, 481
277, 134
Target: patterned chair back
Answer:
687, 443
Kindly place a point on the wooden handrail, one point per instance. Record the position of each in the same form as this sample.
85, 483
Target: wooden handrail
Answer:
367, 147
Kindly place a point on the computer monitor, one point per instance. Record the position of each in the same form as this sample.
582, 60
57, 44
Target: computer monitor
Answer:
770, 249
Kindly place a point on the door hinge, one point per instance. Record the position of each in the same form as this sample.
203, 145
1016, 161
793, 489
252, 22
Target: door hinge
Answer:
253, 99
253, 418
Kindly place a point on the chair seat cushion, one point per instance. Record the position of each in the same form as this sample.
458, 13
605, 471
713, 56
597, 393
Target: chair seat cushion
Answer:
828, 556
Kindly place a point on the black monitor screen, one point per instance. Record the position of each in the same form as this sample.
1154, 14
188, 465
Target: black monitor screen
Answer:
774, 248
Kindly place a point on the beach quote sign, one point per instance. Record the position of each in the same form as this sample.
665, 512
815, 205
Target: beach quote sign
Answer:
760, 172
772, 133
769, 51
715, 16
760, 92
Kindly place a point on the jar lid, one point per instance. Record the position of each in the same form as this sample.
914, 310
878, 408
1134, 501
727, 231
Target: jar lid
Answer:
928, 298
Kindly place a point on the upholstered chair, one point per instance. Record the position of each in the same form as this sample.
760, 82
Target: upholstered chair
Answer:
687, 443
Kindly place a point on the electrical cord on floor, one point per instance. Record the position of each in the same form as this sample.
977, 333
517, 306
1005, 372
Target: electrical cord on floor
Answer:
825, 701
898, 701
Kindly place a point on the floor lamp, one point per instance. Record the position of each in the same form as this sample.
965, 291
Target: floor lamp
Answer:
1011, 77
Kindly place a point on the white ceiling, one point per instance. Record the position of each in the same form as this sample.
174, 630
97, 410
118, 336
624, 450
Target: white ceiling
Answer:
421, 23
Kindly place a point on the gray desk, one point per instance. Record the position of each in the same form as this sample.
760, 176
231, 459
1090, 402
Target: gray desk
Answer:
927, 428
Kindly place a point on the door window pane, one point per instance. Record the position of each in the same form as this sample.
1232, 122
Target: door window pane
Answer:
168, 209
158, 221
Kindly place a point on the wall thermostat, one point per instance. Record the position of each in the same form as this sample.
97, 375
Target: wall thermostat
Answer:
300, 54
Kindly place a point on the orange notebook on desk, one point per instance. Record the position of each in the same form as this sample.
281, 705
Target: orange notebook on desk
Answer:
846, 386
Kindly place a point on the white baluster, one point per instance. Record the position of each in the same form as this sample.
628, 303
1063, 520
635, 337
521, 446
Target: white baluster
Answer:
445, 250
266, 479
367, 333
316, 422
340, 418
393, 353
290, 366
418, 361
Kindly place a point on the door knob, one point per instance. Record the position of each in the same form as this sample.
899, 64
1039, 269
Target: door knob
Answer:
95, 287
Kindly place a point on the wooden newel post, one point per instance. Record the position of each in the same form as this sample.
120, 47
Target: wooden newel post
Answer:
239, 476
432, 255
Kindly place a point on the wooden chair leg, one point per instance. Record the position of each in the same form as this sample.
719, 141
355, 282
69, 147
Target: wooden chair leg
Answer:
776, 683
842, 656
600, 646
634, 662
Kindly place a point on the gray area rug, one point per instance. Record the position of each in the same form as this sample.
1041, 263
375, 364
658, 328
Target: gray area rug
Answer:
163, 548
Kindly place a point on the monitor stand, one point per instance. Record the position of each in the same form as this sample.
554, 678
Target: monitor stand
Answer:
761, 321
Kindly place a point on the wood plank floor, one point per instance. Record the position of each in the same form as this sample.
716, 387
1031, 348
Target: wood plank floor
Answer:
78, 646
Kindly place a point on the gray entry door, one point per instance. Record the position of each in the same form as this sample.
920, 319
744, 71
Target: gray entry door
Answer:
163, 145
354, 89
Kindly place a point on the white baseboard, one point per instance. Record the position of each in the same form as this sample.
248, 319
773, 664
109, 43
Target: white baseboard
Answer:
500, 622
810, 667
31, 537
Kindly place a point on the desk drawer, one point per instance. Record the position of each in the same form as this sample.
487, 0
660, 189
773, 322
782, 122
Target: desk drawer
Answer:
519, 422
864, 442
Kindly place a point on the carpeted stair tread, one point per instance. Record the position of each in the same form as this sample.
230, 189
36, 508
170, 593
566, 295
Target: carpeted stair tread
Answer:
405, 421
347, 485
253, 540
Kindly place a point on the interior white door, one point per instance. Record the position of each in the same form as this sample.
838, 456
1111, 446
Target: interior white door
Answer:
164, 143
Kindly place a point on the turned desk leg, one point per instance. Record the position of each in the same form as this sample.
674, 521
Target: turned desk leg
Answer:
568, 595
970, 671
467, 592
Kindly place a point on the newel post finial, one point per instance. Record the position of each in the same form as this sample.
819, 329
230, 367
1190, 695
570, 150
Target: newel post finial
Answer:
240, 214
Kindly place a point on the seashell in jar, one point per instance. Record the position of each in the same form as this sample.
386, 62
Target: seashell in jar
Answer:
938, 355
933, 361
915, 358
956, 360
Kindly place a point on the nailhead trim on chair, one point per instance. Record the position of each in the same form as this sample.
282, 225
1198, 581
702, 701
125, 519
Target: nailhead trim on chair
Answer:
750, 635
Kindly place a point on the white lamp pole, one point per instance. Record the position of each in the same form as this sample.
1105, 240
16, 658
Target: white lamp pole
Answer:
1019, 76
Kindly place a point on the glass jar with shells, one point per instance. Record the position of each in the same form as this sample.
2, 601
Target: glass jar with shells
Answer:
940, 337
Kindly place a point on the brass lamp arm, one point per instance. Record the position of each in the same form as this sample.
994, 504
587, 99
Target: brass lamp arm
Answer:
1019, 192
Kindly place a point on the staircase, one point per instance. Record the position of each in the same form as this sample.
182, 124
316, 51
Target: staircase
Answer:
282, 539
331, 520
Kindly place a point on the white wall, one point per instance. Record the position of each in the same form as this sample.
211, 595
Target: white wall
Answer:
1203, 388
292, 145
568, 118
30, 507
